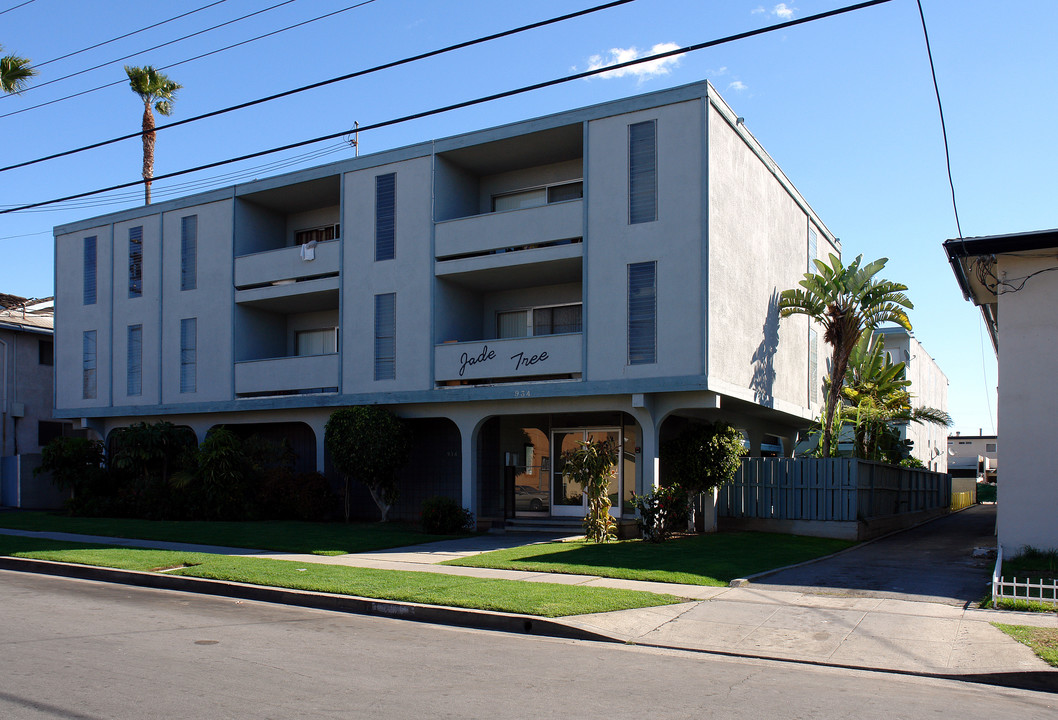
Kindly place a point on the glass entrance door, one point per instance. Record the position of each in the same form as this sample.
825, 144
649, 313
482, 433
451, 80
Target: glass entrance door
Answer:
567, 495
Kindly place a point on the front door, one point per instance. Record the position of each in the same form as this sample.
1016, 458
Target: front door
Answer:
567, 496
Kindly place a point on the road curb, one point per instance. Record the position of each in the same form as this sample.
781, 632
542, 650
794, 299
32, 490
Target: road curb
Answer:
434, 614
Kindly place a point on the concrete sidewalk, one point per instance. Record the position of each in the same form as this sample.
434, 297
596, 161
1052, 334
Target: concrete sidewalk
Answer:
878, 633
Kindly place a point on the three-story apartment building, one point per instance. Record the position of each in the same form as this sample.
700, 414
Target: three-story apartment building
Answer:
611, 271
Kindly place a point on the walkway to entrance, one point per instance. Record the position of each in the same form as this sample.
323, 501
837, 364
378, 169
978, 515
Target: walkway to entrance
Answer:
933, 562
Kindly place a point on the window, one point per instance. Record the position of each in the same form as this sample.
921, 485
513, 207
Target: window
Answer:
136, 262
385, 336
319, 234
135, 360
512, 324
812, 250
813, 366
990, 447
642, 313
189, 252
536, 197
48, 430
642, 173
88, 365
317, 342
188, 355
551, 320
90, 270
385, 216
45, 352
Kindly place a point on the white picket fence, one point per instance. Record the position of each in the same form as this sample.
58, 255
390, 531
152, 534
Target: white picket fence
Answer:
1042, 591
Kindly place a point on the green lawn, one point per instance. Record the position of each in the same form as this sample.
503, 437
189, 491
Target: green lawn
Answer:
1043, 641
696, 560
530, 598
286, 536
1035, 566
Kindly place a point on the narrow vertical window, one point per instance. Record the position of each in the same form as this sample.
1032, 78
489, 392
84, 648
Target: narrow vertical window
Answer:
88, 365
90, 270
812, 250
642, 172
385, 216
136, 262
188, 355
642, 313
385, 336
189, 252
813, 366
135, 360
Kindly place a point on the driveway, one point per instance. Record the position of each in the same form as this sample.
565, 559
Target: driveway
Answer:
932, 562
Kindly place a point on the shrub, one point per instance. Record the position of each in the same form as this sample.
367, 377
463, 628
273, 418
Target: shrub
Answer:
443, 516
592, 465
662, 513
75, 464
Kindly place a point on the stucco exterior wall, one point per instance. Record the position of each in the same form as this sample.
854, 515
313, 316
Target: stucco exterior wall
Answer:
1028, 395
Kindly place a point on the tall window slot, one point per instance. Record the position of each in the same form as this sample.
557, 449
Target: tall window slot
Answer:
188, 355
88, 365
812, 250
385, 216
385, 336
90, 270
189, 252
135, 360
642, 172
813, 366
642, 313
136, 262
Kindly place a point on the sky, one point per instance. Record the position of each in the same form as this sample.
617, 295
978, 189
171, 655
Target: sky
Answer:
844, 105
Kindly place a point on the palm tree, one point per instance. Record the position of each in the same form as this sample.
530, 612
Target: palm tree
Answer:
846, 301
15, 71
156, 91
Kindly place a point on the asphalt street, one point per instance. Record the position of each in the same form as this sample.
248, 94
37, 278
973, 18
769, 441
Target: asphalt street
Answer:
79, 649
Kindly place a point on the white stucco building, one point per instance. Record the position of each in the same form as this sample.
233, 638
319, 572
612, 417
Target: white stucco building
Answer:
1013, 277
609, 271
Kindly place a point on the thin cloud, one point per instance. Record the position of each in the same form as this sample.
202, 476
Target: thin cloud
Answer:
758, 10
737, 86
782, 11
643, 71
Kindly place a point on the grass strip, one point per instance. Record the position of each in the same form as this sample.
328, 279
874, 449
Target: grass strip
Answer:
285, 536
714, 559
515, 596
1043, 641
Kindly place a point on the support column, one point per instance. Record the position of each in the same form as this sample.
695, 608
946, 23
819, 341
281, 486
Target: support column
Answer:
468, 456
650, 446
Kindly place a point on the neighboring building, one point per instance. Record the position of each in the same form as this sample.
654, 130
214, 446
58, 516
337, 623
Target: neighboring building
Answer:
929, 388
973, 456
612, 271
26, 364
1013, 277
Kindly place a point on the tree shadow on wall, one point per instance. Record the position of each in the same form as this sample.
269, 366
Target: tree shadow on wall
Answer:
763, 381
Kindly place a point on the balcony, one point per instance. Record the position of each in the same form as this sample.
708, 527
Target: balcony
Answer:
286, 375
510, 359
491, 232
267, 268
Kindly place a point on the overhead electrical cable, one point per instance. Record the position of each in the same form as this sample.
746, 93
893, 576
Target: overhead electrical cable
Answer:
129, 34
471, 103
37, 86
943, 129
16, 7
322, 83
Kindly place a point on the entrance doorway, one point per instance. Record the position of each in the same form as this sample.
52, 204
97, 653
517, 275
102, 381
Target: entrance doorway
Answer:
567, 496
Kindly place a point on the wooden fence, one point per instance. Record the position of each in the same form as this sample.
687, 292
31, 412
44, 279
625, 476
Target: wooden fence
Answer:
835, 489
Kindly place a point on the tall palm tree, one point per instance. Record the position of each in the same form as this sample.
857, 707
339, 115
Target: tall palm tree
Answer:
15, 71
846, 301
156, 91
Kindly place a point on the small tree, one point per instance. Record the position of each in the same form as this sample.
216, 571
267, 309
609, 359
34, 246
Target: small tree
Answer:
368, 443
75, 464
702, 457
593, 464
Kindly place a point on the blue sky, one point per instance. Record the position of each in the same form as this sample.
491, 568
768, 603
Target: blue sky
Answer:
844, 105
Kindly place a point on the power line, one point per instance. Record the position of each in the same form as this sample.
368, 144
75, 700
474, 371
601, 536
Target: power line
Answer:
322, 83
196, 57
128, 34
37, 86
471, 103
16, 7
940, 109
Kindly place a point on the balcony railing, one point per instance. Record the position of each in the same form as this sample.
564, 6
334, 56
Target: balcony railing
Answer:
285, 264
287, 374
509, 359
513, 228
